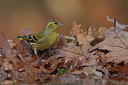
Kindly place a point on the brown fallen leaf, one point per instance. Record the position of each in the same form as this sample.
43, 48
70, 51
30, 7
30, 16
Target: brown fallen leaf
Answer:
116, 49
59, 55
123, 70
92, 32
7, 68
92, 71
101, 31
48, 66
73, 64
104, 71
51, 64
71, 50
6, 47
23, 54
93, 60
11, 43
78, 33
95, 35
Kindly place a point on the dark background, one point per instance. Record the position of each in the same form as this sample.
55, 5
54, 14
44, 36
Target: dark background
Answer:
34, 14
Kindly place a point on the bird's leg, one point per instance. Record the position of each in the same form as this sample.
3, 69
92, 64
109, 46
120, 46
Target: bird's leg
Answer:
35, 52
44, 52
50, 52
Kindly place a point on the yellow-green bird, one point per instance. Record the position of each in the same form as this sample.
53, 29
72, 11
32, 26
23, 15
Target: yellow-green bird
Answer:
44, 39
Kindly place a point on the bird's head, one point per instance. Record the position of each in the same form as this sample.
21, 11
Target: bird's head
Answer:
53, 25
53, 22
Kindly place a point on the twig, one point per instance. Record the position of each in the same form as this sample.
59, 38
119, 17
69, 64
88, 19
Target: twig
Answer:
118, 35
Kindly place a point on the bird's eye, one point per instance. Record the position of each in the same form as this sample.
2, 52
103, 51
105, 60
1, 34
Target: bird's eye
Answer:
55, 22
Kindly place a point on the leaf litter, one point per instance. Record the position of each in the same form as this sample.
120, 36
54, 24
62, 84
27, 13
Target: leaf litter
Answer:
96, 53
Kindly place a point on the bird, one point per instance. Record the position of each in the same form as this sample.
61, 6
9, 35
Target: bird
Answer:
43, 39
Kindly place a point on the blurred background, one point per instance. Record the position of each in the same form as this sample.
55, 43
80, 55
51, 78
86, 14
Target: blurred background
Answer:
34, 14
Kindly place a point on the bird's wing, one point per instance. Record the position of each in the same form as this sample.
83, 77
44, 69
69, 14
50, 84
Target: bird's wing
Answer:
41, 44
43, 39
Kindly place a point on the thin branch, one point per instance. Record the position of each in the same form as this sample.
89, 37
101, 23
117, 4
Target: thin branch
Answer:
118, 35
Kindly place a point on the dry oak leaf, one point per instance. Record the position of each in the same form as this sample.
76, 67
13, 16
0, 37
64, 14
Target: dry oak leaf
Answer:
117, 51
6, 47
92, 32
7, 67
91, 71
71, 50
101, 31
93, 60
123, 69
74, 64
78, 33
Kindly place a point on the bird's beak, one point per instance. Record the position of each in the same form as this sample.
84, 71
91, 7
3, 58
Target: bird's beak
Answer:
59, 24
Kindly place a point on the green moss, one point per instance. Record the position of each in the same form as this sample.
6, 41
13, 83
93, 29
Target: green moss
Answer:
93, 44
67, 40
61, 71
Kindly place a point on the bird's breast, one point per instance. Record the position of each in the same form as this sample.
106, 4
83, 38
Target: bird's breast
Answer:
52, 38
47, 42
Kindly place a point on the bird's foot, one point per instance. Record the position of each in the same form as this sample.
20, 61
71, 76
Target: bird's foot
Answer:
35, 52
51, 52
